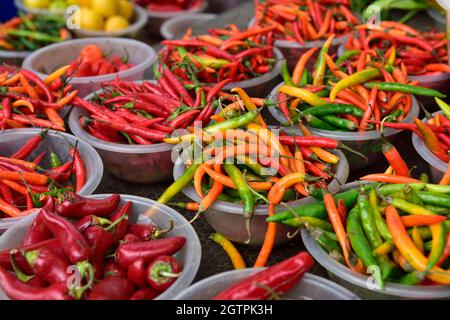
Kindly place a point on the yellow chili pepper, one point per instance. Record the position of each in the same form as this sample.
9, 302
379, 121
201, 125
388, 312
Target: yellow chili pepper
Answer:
353, 80
23, 103
249, 105
303, 94
58, 73
236, 258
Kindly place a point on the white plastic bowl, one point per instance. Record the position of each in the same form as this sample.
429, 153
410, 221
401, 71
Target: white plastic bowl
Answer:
227, 218
137, 23
439, 18
189, 256
157, 18
360, 284
134, 163
46, 60
11, 140
14, 58
177, 26
310, 287
437, 166
368, 143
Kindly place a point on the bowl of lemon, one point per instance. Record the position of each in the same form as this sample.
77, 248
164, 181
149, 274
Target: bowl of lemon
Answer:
93, 18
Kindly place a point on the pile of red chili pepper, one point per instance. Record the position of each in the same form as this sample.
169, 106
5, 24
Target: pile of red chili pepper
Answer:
146, 113
305, 20
28, 101
344, 95
420, 53
114, 258
270, 283
223, 54
399, 226
94, 62
171, 5
25, 184
30, 32
245, 162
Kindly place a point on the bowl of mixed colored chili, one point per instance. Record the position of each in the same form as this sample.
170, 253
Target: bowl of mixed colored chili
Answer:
150, 235
434, 146
136, 55
43, 154
387, 245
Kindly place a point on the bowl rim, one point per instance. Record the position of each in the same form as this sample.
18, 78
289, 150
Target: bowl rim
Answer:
149, 60
168, 35
249, 271
261, 210
341, 271
341, 135
76, 129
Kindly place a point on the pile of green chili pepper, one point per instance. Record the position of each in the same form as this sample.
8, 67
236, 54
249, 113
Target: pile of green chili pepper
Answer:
30, 32
400, 228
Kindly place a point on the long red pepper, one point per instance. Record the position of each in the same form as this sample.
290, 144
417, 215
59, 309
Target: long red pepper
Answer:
29, 146
80, 169
121, 228
34, 78
48, 265
37, 232
177, 85
100, 241
76, 206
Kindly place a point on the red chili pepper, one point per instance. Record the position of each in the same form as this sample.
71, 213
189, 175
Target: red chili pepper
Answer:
111, 268
394, 158
310, 141
48, 265
17, 290
278, 278
37, 232
145, 294
76, 206
130, 238
136, 273
163, 272
184, 119
39, 158
71, 240
142, 231
112, 288
60, 173
89, 221
137, 130
178, 86
79, 168
121, 228
5, 194
149, 251
34, 78
29, 146
7, 107
100, 241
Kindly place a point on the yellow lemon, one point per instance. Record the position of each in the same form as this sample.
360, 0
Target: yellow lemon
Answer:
36, 4
105, 8
126, 9
90, 20
116, 23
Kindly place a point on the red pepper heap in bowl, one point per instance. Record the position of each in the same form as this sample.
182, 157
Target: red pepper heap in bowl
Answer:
28, 101
223, 54
170, 5
305, 20
86, 233
94, 62
420, 53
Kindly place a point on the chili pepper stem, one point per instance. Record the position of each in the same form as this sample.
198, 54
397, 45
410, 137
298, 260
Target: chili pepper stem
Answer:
19, 274
169, 274
158, 233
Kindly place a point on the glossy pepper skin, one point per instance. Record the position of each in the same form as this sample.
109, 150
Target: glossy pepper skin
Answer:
89, 221
112, 288
48, 265
136, 273
122, 228
143, 231
163, 272
76, 206
111, 268
280, 278
37, 232
145, 294
100, 242
71, 240
17, 290
149, 251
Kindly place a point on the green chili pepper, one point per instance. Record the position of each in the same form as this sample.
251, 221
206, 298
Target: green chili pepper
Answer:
358, 240
333, 109
233, 123
325, 242
389, 189
424, 177
252, 164
368, 221
179, 184
347, 55
340, 122
438, 242
438, 210
406, 88
305, 79
319, 123
298, 222
32, 35
412, 196
244, 192
316, 210
55, 161
444, 107
434, 198
286, 76
438, 188
379, 221
320, 66
412, 278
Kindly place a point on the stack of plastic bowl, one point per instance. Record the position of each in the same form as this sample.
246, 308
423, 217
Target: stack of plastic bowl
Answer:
158, 214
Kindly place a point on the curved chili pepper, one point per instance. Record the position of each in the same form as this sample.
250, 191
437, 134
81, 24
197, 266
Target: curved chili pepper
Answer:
37, 232
121, 228
431, 141
29, 146
142, 231
48, 265
100, 242
278, 278
89, 221
163, 272
76, 206
71, 240
150, 250
79, 168
136, 273
355, 79
112, 288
